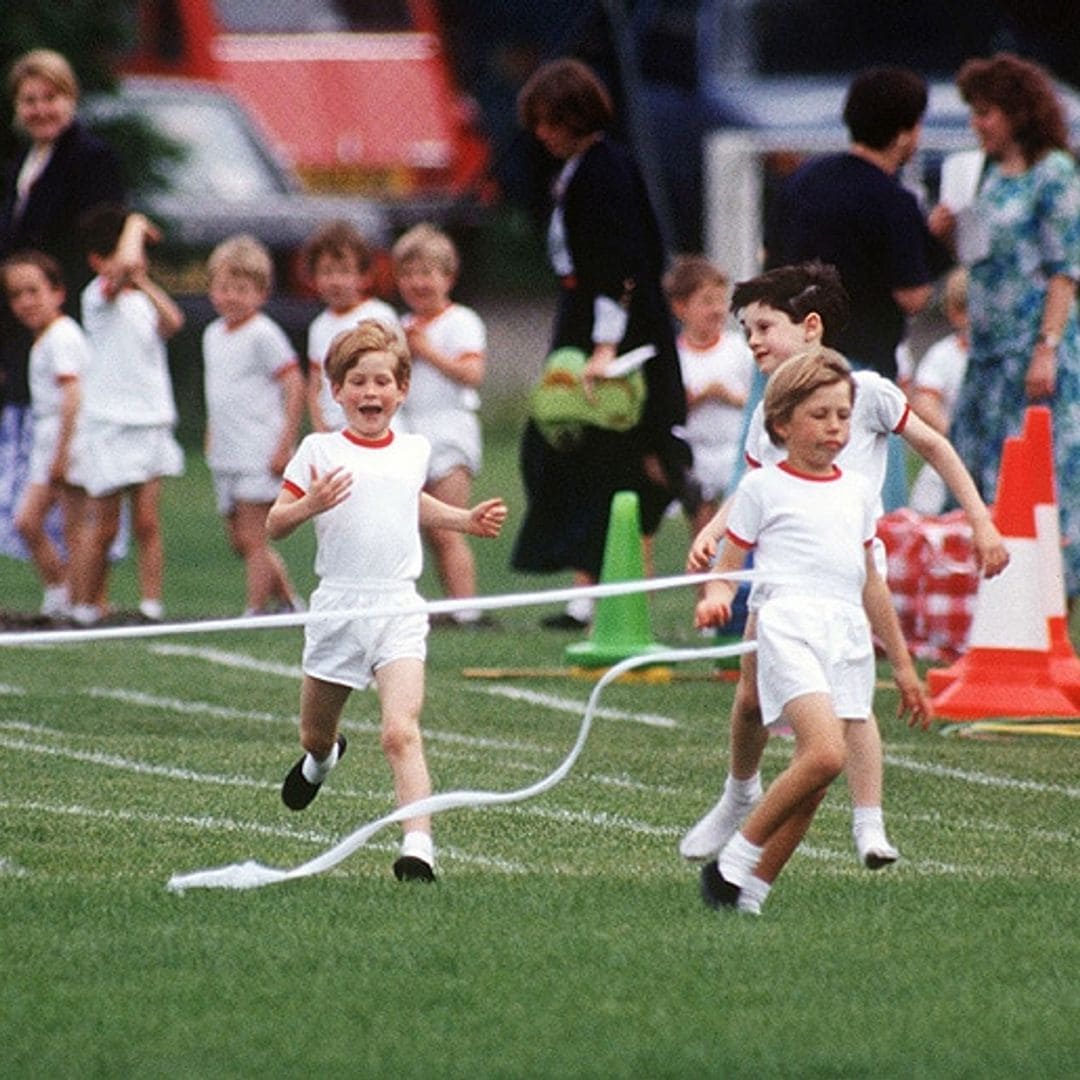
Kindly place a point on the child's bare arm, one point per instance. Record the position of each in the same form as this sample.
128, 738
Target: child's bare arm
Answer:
170, 317
324, 493
884, 623
484, 519
314, 406
991, 555
714, 604
292, 393
70, 399
705, 544
466, 368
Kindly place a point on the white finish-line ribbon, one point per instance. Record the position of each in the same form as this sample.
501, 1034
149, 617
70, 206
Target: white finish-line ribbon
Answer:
301, 618
253, 875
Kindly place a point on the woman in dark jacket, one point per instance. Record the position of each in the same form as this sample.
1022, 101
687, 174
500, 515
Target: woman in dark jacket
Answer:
605, 247
61, 173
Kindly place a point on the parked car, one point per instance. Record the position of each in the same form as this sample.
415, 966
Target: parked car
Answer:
226, 177
360, 97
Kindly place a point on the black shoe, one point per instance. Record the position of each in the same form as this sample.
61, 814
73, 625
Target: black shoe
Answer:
716, 890
563, 621
297, 791
410, 868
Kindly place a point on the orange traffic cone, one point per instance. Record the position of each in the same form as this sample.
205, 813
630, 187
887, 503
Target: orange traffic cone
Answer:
1010, 668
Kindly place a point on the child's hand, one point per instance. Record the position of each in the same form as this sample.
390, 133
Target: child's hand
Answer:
714, 607
702, 552
329, 490
486, 518
991, 555
417, 340
913, 700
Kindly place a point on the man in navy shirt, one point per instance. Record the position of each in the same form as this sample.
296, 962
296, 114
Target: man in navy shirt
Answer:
850, 210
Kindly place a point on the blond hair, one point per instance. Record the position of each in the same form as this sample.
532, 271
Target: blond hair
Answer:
429, 244
688, 273
367, 336
796, 379
46, 64
243, 256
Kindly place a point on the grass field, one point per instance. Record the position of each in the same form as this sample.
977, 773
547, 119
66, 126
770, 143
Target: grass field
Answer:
565, 937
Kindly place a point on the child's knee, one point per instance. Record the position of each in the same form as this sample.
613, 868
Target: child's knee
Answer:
400, 738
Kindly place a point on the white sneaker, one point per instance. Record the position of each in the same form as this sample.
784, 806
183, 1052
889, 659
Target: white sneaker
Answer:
875, 851
714, 830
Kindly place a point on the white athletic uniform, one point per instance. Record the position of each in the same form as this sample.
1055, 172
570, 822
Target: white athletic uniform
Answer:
323, 329
809, 534
128, 412
243, 367
61, 353
438, 407
712, 429
941, 371
368, 553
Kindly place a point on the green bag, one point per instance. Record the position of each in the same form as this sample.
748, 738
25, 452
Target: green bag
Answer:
560, 409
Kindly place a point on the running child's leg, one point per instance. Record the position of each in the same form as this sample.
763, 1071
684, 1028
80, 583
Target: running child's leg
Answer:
865, 770
321, 705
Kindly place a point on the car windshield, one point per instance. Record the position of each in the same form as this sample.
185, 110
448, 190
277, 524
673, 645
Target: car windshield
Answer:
221, 158
312, 16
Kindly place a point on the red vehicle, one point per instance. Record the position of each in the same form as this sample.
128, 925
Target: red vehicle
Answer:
358, 94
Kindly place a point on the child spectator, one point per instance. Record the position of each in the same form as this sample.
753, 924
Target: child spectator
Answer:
126, 442
363, 488
447, 341
936, 386
60, 353
717, 370
784, 311
254, 407
812, 527
338, 262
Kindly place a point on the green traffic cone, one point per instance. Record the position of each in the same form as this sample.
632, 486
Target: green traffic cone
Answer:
621, 626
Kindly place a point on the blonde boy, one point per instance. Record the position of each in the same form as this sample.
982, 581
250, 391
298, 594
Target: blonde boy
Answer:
363, 489
254, 406
448, 343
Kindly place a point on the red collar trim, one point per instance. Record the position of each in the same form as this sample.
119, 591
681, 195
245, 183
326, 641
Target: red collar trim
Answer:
792, 471
372, 444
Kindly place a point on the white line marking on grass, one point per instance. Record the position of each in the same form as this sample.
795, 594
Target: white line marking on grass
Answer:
571, 705
948, 772
10, 869
230, 659
6, 689
179, 705
228, 825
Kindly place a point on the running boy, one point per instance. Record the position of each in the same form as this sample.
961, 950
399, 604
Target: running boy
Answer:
60, 353
783, 312
254, 406
126, 442
363, 487
447, 341
811, 525
338, 262
717, 370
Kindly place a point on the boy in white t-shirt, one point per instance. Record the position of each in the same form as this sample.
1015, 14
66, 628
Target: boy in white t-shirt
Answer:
811, 525
339, 264
448, 343
717, 370
35, 290
363, 489
936, 386
254, 406
784, 311
126, 441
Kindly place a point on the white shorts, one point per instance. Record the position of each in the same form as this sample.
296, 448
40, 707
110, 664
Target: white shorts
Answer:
109, 457
814, 646
46, 434
455, 441
231, 488
713, 468
349, 652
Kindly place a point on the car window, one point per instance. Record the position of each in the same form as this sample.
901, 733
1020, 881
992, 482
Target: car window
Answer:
312, 16
221, 159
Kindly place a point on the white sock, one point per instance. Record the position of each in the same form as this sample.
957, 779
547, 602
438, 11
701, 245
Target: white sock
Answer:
467, 616
739, 860
418, 845
753, 895
55, 600
85, 614
316, 771
868, 817
743, 792
152, 609
580, 608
